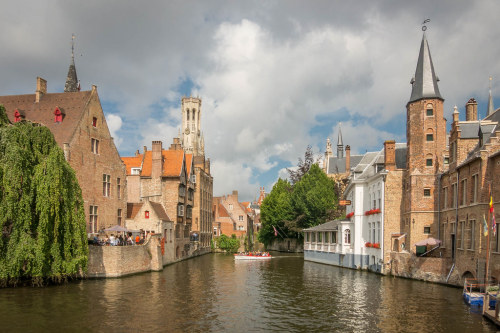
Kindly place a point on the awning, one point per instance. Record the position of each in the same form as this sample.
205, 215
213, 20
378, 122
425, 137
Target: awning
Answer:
429, 241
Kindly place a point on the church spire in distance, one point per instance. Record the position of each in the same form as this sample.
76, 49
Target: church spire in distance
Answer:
72, 80
491, 108
425, 82
340, 144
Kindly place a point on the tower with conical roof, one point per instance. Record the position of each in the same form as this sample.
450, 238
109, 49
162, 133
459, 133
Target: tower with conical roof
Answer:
426, 144
340, 144
426, 126
72, 80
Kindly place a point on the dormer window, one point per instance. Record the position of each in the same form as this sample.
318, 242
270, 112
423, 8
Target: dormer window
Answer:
94, 122
58, 115
18, 116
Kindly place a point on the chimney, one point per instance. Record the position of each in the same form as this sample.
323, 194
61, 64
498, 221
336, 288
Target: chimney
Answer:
390, 155
347, 158
157, 160
471, 110
145, 149
176, 145
137, 152
455, 115
41, 89
66, 150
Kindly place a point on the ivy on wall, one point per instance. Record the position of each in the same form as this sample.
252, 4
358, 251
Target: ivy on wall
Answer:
42, 221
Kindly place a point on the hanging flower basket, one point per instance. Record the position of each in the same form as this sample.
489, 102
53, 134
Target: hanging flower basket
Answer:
372, 212
351, 214
368, 244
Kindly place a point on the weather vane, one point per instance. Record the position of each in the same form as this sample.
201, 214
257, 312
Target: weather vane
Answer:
73, 45
424, 27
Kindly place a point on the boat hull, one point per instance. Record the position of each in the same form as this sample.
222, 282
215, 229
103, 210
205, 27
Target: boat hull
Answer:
246, 257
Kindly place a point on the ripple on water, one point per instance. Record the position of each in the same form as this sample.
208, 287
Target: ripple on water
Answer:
213, 293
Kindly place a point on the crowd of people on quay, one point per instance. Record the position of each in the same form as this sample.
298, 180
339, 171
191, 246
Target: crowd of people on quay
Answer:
123, 239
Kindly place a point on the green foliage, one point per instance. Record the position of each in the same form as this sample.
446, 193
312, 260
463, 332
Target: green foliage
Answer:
228, 244
41, 208
302, 167
275, 210
311, 201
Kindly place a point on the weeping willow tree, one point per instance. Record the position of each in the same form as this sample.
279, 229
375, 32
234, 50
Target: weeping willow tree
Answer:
42, 218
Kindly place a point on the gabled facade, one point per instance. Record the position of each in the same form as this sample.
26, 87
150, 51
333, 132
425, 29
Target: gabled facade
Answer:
363, 239
77, 121
165, 176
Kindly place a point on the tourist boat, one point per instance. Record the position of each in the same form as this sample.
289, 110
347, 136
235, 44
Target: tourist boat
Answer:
252, 256
472, 292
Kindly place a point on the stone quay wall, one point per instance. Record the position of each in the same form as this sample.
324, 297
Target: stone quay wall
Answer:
118, 261
404, 264
286, 245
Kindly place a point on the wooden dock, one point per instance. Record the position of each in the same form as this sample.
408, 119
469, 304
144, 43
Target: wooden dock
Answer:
491, 314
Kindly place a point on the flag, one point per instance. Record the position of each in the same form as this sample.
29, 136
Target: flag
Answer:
492, 212
494, 225
275, 231
485, 226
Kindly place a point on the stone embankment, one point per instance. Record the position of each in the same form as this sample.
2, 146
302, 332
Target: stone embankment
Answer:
117, 261
404, 264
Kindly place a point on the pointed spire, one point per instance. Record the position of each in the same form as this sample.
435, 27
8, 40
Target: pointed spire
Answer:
72, 84
340, 144
491, 108
424, 83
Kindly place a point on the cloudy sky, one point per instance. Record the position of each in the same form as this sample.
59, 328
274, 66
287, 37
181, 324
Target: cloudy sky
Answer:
274, 76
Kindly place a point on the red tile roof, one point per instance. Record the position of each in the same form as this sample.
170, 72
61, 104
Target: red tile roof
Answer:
132, 162
160, 211
133, 209
71, 105
189, 163
173, 161
222, 211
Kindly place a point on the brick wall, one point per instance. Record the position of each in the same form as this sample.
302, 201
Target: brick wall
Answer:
91, 167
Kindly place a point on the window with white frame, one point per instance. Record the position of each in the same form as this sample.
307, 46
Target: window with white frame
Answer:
347, 236
106, 185
135, 171
334, 237
180, 210
93, 219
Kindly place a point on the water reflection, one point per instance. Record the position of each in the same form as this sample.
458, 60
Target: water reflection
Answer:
214, 293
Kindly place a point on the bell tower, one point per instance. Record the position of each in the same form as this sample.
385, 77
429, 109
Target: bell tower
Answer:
192, 138
426, 144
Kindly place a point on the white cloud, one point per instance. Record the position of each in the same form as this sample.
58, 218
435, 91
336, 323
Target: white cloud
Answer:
114, 124
265, 71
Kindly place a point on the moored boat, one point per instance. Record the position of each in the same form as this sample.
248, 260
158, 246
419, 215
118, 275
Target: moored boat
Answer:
252, 256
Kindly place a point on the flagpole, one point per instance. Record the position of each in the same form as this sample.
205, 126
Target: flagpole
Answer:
488, 240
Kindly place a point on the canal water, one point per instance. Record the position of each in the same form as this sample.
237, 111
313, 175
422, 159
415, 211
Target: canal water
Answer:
214, 293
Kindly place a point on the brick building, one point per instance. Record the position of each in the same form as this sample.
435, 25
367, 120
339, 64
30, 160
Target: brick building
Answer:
165, 177
77, 121
230, 216
193, 143
436, 185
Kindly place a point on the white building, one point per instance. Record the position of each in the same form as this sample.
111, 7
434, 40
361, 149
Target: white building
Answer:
357, 241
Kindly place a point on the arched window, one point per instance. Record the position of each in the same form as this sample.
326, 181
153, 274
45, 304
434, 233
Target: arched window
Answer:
347, 236
429, 110
429, 135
